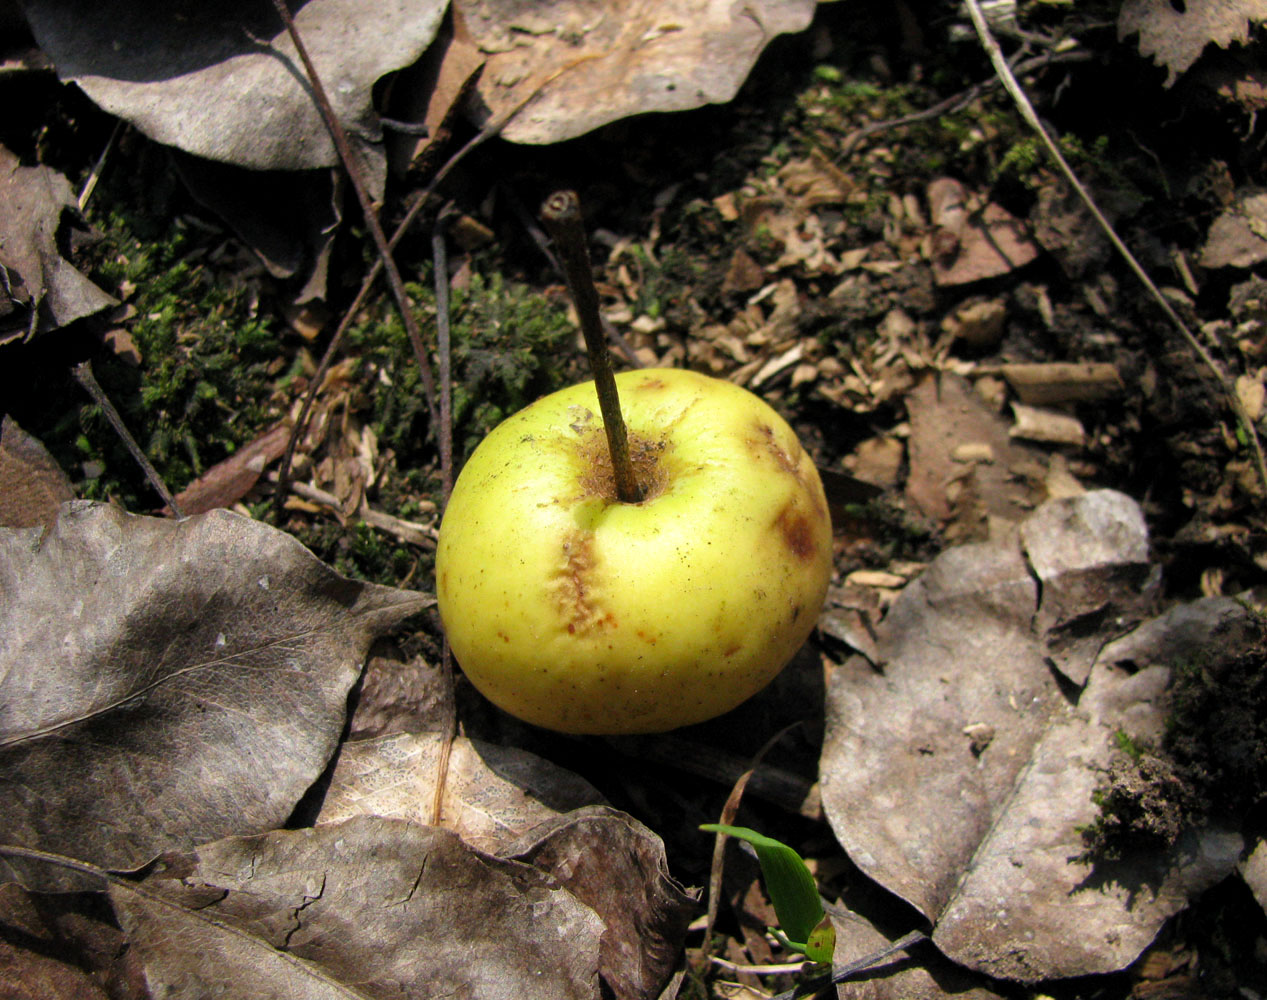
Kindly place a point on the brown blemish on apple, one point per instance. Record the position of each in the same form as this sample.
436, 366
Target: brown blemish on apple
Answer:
797, 532
766, 441
651, 383
794, 465
572, 587
731, 650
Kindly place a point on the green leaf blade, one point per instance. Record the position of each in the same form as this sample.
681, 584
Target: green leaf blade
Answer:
788, 881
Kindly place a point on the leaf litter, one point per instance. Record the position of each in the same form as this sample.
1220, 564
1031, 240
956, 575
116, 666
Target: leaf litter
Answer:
193, 675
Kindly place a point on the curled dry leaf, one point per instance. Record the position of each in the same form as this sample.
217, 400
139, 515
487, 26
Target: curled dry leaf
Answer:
32, 200
617, 866
369, 908
163, 683
492, 794
224, 82
1174, 34
990, 848
591, 62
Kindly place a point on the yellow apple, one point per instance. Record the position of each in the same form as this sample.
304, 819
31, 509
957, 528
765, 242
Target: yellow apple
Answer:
577, 612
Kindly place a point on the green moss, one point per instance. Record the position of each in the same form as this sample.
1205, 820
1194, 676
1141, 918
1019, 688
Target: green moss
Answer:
203, 387
510, 346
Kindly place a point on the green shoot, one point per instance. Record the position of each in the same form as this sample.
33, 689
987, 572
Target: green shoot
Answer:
804, 925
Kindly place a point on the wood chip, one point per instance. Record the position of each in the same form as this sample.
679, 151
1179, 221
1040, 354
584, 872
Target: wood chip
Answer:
875, 578
1047, 426
1063, 382
973, 451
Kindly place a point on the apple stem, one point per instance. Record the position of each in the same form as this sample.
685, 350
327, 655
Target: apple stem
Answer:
562, 216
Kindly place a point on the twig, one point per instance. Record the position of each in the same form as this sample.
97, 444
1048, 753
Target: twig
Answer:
782, 969
440, 265
490, 131
562, 216
353, 167
440, 278
83, 375
955, 102
1026, 109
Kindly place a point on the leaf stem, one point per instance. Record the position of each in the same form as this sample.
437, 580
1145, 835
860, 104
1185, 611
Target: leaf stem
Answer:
562, 216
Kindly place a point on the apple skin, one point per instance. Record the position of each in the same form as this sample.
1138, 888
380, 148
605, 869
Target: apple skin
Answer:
582, 614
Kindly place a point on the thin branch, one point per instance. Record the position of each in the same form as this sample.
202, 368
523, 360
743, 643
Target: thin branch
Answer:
956, 101
440, 267
729, 810
440, 278
83, 375
1026, 109
490, 131
352, 165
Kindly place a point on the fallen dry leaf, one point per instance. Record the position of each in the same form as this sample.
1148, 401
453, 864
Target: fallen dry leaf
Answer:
990, 849
224, 82
492, 794
617, 866
288, 217
58, 946
40, 280
1175, 34
973, 239
1238, 237
1090, 553
163, 683
591, 62
229, 481
1254, 871
930, 977
367, 909
945, 414
32, 485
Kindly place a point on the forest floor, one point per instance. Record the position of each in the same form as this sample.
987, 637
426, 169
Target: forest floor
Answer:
869, 237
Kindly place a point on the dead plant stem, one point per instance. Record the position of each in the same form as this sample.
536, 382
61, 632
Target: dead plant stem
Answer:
440, 277
490, 131
562, 215
353, 166
956, 101
1026, 109
83, 375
